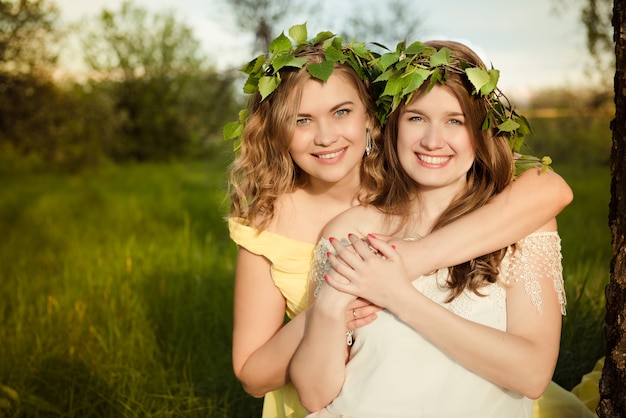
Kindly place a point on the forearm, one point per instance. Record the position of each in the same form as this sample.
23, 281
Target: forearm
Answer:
527, 204
267, 368
318, 366
512, 361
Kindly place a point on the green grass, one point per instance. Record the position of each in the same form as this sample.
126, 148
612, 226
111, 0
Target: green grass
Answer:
586, 241
116, 290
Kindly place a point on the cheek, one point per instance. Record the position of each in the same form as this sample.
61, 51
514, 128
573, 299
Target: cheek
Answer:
405, 140
355, 130
299, 142
405, 153
470, 155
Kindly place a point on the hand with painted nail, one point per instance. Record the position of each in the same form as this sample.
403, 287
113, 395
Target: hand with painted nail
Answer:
379, 277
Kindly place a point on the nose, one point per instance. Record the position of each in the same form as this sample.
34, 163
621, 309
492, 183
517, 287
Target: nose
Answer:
433, 137
326, 134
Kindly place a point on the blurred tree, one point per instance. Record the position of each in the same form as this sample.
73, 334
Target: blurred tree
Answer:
162, 90
28, 36
613, 381
595, 15
385, 22
262, 17
28, 53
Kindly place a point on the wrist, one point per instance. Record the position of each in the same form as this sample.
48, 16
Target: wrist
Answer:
331, 303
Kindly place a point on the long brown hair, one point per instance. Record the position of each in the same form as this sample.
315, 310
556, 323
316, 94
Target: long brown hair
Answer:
264, 170
490, 173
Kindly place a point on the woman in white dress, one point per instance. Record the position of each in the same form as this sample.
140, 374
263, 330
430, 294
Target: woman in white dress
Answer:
479, 339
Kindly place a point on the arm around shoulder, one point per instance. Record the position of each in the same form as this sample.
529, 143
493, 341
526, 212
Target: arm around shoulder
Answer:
526, 205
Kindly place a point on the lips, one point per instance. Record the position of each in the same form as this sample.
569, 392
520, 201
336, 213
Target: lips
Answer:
429, 159
330, 155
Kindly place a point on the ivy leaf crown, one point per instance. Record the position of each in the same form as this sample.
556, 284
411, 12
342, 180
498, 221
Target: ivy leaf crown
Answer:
264, 71
402, 72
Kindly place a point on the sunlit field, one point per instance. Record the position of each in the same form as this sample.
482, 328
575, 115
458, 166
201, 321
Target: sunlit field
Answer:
116, 289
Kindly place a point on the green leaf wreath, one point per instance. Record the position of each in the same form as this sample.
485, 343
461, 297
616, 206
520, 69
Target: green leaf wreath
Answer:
396, 76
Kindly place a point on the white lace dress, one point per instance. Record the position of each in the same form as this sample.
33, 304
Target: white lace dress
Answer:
395, 373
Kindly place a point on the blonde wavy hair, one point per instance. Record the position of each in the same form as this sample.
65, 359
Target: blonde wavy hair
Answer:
264, 169
490, 173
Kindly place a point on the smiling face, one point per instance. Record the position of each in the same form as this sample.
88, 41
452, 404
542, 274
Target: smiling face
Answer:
328, 142
435, 145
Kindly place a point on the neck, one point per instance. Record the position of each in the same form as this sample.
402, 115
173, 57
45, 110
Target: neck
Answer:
346, 190
429, 207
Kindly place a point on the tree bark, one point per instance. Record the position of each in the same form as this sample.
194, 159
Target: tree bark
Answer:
613, 381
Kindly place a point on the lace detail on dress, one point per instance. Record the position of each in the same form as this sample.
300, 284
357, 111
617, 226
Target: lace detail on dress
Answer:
461, 305
497, 294
434, 288
536, 256
320, 264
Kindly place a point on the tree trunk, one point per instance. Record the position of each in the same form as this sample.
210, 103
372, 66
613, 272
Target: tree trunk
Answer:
613, 382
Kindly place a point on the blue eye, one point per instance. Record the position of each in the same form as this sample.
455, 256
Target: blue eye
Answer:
302, 121
342, 112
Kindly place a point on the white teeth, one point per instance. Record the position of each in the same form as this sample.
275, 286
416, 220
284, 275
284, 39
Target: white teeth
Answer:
329, 156
433, 160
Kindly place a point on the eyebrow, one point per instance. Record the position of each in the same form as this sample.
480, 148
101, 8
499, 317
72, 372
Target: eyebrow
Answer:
418, 111
332, 109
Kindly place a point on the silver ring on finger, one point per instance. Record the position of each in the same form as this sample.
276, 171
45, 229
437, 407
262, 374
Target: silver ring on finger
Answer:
354, 314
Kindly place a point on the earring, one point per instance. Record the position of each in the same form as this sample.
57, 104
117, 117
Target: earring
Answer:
368, 142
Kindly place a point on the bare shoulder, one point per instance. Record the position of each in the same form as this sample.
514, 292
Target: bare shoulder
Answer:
357, 220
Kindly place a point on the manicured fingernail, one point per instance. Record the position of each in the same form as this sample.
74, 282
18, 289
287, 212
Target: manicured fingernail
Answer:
328, 254
326, 277
372, 236
331, 239
350, 235
393, 246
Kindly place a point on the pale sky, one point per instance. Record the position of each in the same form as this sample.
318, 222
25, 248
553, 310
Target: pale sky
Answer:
532, 46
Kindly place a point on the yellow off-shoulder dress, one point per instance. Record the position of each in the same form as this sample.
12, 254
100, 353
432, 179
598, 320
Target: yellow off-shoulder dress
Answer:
291, 265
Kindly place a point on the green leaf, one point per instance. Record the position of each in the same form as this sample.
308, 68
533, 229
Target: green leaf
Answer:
336, 43
254, 65
298, 33
393, 86
526, 162
334, 55
280, 45
361, 51
389, 59
288, 61
414, 80
232, 130
381, 46
440, 57
321, 70
524, 128
415, 48
267, 84
251, 85
322, 36
494, 76
384, 76
508, 125
478, 77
